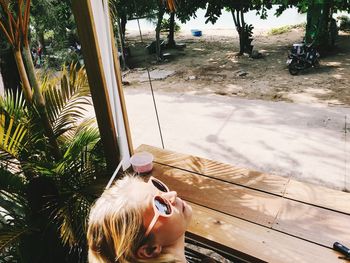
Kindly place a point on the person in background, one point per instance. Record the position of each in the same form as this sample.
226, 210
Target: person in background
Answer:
40, 52
134, 221
34, 56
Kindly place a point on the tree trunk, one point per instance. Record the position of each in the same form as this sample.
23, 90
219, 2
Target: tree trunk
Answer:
27, 91
8, 71
171, 41
122, 43
325, 22
242, 36
159, 23
236, 18
313, 22
42, 41
40, 104
123, 25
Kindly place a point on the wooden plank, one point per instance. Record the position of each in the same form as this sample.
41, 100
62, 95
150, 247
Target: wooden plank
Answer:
312, 223
248, 204
82, 11
319, 195
292, 189
295, 218
251, 179
258, 241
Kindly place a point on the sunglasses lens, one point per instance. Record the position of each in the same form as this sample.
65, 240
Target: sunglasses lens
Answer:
162, 207
159, 186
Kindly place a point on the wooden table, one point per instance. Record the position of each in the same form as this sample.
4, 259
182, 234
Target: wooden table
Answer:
255, 216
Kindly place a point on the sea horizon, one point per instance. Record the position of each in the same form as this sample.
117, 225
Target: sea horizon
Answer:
225, 21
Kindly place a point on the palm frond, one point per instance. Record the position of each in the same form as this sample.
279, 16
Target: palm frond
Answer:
70, 134
9, 162
12, 197
84, 139
14, 124
66, 102
11, 235
74, 175
84, 150
72, 217
14, 104
12, 133
12, 208
10, 182
112, 9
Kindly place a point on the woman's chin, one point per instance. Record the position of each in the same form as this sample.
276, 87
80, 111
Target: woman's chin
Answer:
187, 211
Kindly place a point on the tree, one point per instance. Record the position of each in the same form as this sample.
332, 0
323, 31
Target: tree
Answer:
127, 10
45, 203
244, 30
170, 7
8, 68
122, 11
160, 15
171, 41
53, 16
14, 25
238, 9
320, 24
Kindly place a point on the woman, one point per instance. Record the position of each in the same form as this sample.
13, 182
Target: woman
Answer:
134, 221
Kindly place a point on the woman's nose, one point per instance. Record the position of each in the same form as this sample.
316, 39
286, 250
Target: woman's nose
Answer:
170, 196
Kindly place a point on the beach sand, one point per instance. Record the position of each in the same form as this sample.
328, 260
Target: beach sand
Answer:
210, 65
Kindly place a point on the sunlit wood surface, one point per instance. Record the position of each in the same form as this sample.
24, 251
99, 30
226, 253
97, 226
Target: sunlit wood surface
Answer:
268, 217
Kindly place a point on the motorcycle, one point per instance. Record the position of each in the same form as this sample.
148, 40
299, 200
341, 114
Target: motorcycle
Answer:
301, 57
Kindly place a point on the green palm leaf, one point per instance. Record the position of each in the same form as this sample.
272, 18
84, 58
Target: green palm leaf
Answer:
66, 102
11, 235
74, 175
84, 139
13, 125
12, 133
12, 197
12, 183
72, 216
14, 104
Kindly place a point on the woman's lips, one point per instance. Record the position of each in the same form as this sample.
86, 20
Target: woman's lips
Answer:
183, 205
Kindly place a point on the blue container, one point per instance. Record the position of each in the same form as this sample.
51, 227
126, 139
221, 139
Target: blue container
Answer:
196, 32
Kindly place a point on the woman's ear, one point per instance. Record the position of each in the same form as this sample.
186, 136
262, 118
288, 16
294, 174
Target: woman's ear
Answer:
147, 251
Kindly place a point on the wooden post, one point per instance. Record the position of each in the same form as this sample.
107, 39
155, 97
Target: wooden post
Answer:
92, 57
121, 94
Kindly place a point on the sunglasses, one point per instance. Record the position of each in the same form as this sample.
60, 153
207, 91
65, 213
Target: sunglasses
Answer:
161, 206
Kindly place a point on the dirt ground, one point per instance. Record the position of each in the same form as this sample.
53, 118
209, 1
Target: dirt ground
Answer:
210, 65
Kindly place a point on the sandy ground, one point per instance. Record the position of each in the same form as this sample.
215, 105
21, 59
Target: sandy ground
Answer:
210, 65
304, 142
264, 119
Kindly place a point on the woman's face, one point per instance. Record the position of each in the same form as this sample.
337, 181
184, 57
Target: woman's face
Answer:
167, 230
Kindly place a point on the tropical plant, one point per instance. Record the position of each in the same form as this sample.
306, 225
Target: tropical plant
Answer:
163, 6
44, 202
344, 24
321, 26
14, 24
285, 29
238, 9
54, 29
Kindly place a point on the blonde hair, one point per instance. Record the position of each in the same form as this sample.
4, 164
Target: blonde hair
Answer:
115, 229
